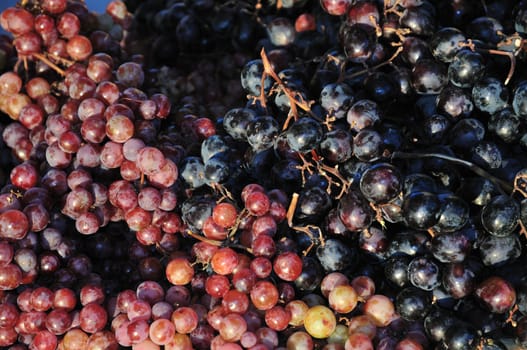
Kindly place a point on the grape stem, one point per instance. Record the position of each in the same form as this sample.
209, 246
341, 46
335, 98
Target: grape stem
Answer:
52, 65
309, 230
296, 100
374, 68
203, 239
470, 44
503, 186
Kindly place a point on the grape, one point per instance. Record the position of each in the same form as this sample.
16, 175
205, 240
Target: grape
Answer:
277, 318
336, 256
424, 273
251, 78
358, 41
420, 210
320, 322
429, 76
120, 128
304, 135
500, 216
336, 146
236, 120
130, 74
264, 295
355, 214
179, 271
336, 99
379, 309
343, 299
459, 279
150, 160
380, 183
412, 303
288, 266
497, 294
358, 341
262, 132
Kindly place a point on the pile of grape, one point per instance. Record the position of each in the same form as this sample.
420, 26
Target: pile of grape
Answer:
263, 174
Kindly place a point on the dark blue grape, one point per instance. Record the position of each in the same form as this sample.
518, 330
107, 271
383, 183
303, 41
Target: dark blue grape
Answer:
506, 125
465, 134
396, 270
251, 78
500, 216
453, 214
336, 99
496, 250
236, 121
392, 135
334, 255
445, 43
287, 175
424, 273
311, 276
188, 33
217, 169
381, 87
392, 211
292, 77
363, 114
261, 132
353, 170
332, 223
434, 129
477, 190
453, 101
381, 183
281, 31
520, 21
304, 135
421, 210
486, 29
368, 145
429, 77
520, 331
459, 279
412, 303
415, 49
466, 68
490, 95
282, 99
358, 40
313, 204
419, 182
487, 155
336, 147
211, 146
521, 298
450, 247
193, 172
355, 212
437, 322
420, 19
519, 100
195, 210
409, 243
461, 337
374, 241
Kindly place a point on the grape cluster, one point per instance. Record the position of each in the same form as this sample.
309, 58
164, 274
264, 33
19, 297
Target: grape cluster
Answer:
300, 174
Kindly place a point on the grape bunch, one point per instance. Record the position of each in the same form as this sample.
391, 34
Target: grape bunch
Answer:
263, 174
